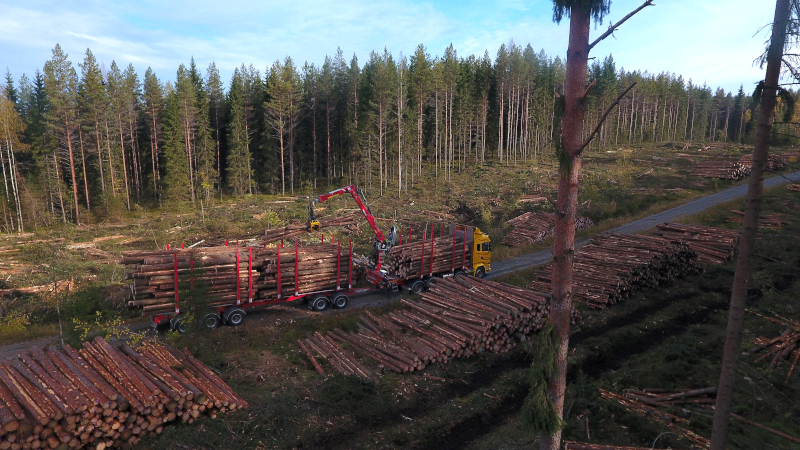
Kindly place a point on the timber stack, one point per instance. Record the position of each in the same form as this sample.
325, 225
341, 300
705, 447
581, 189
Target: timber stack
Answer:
723, 170
785, 347
790, 157
532, 228
764, 220
456, 318
713, 245
613, 267
222, 275
774, 162
429, 256
103, 395
294, 230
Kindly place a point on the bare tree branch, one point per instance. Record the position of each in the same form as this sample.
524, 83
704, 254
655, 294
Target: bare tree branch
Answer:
605, 114
613, 26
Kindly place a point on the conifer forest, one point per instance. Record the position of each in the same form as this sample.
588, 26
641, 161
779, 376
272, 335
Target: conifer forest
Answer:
95, 138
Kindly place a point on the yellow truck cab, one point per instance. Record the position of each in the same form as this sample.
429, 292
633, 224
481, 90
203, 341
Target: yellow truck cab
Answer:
481, 249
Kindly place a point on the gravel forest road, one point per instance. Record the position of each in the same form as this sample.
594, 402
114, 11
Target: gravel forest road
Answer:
511, 265
297, 310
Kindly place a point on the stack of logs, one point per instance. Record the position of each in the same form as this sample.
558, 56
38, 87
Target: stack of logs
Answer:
295, 230
103, 395
613, 267
774, 162
790, 157
429, 256
724, 170
223, 275
781, 348
532, 228
456, 318
712, 245
764, 220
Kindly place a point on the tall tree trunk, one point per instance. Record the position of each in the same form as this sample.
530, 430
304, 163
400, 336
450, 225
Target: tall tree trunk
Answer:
124, 163
72, 170
328, 134
283, 167
58, 186
564, 239
110, 164
99, 155
83, 166
733, 339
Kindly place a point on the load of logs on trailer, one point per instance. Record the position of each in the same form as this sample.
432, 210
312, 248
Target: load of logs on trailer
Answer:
297, 229
774, 162
532, 228
785, 347
724, 170
456, 318
613, 267
429, 256
221, 275
713, 245
103, 395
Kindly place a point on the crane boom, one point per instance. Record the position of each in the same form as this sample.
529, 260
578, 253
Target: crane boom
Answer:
363, 205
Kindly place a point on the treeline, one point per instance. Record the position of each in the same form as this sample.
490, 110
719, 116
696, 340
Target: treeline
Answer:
78, 139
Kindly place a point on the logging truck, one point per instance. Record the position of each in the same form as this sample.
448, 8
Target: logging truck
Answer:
475, 249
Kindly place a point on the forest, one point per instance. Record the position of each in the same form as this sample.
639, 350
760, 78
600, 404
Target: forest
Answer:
81, 142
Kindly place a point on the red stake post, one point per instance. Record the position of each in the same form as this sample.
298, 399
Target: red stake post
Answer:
422, 261
279, 271
350, 268
296, 267
338, 266
430, 265
175, 265
464, 252
250, 274
238, 279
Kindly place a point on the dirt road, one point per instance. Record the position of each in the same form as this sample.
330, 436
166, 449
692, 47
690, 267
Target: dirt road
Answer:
512, 265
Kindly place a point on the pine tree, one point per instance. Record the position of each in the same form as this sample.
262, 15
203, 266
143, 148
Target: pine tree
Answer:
92, 103
238, 171
153, 106
216, 109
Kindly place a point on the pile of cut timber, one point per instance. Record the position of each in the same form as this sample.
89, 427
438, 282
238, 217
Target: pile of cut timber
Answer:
722, 169
794, 187
774, 162
429, 256
657, 415
224, 274
59, 286
784, 347
764, 221
294, 230
456, 318
532, 228
713, 245
102, 395
533, 199
613, 267
790, 157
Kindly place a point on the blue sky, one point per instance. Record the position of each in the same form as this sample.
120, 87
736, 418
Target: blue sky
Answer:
711, 41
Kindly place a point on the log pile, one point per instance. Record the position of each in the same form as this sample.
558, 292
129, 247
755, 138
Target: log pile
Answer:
533, 199
657, 415
794, 187
426, 256
613, 267
60, 286
785, 347
295, 230
724, 170
223, 275
103, 396
790, 157
713, 245
532, 228
456, 318
764, 220
774, 162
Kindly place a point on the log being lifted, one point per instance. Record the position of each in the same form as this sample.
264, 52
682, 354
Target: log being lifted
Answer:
225, 275
103, 396
456, 318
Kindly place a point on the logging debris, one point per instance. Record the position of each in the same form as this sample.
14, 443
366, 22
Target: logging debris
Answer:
103, 395
532, 228
785, 347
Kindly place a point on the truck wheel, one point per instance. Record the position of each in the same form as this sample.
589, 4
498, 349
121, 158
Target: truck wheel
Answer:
211, 320
234, 316
417, 286
339, 301
319, 303
480, 272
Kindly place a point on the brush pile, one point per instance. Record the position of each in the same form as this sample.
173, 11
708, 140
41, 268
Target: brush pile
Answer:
103, 396
532, 228
613, 267
723, 170
785, 347
774, 162
221, 275
712, 245
429, 256
456, 318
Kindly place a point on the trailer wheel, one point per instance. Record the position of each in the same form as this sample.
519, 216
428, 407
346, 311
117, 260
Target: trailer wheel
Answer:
417, 286
178, 324
480, 272
234, 316
319, 303
211, 320
339, 301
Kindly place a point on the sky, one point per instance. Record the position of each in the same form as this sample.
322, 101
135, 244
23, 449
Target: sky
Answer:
709, 41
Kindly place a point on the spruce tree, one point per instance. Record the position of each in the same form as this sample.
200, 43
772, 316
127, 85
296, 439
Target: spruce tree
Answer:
177, 181
238, 171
